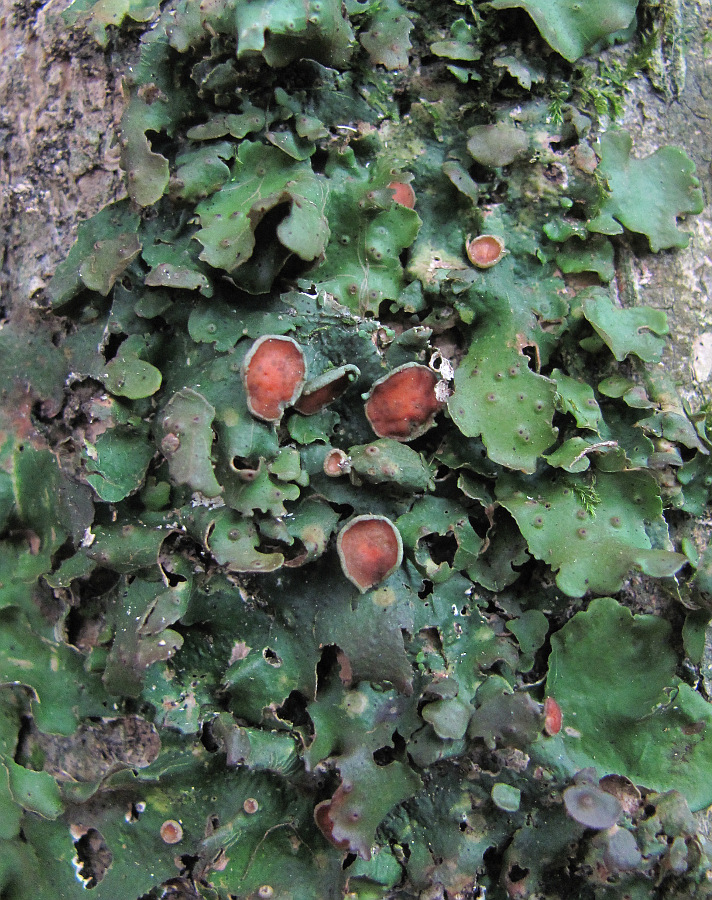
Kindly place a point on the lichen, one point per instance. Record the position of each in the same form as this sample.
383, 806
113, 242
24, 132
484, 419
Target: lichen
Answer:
356, 603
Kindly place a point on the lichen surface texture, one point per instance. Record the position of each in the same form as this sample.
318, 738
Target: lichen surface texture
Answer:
326, 529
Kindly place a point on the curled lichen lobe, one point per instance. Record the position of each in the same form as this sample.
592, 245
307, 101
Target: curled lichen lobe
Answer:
322, 817
370, 549
273, 374
326, 389
403, 404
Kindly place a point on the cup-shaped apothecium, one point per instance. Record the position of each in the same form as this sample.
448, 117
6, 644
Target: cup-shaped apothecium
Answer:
274, 372
370, 549
485, 251
402, 405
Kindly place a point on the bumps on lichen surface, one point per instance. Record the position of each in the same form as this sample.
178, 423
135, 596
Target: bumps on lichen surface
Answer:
431, 516
577, 397
97, 18
574, 527
234, 542
387, 40
116, 464
366, 794
648, 726
388, 461
373, 672
283, 32
369, 230
127, 375
461, 48
104, 248
506, 720
625, 331
263, 179
596, 254
186, 440
201, 172
147, 172
497, 396
646, 195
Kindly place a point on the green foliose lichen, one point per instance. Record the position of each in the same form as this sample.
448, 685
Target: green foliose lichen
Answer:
200, 696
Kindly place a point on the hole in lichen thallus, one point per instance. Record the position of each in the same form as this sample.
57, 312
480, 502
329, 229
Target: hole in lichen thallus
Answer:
208, 739
327, 666
111, 345
294, 710
94, 857
442, 548
268, 256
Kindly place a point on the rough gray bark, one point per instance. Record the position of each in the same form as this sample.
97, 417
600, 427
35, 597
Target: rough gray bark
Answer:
679, 111
60, 101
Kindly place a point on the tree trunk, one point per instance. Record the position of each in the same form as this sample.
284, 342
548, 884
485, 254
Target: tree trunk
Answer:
678, 110
61, 103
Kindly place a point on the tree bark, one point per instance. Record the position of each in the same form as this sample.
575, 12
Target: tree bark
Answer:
678, 110
60, 103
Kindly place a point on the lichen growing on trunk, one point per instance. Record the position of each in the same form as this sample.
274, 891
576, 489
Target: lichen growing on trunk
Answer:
358, 644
